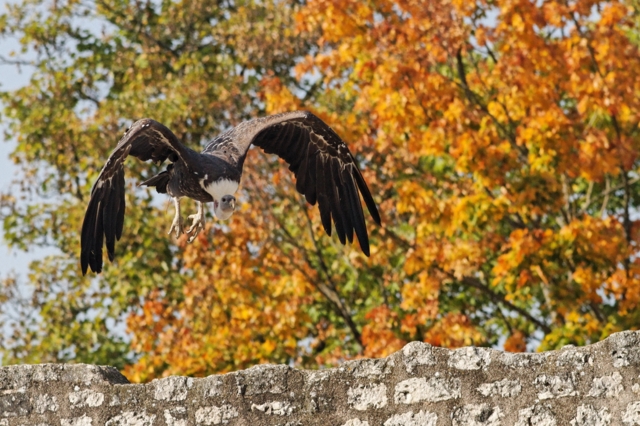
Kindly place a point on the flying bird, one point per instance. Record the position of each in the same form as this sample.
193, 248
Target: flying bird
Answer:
326, 172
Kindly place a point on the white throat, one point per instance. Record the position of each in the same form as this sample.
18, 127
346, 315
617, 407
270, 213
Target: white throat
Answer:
220, 188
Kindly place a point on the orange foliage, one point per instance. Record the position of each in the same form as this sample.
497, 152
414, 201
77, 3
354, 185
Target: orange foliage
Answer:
503, 153
504, 139
378, 336
516, 342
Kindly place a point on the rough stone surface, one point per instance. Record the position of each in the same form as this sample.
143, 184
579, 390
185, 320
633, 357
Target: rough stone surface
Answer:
597, 385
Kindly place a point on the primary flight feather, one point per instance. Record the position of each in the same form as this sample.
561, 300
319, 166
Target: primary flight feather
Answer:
325, 170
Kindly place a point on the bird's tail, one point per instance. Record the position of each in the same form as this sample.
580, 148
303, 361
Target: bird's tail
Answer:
160, 181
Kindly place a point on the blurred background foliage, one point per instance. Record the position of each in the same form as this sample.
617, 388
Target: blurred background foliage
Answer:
499, 137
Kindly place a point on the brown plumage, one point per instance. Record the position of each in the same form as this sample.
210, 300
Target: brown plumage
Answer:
326, 173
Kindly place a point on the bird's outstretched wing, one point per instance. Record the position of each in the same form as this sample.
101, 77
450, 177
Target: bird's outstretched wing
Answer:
326, 171
146, 139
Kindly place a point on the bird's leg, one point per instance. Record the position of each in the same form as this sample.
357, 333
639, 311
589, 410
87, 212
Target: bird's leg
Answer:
198, 222
177, 219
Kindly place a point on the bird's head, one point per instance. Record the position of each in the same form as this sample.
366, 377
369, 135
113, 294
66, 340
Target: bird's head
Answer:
225, 207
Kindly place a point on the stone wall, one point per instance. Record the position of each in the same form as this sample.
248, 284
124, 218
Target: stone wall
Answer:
419, 385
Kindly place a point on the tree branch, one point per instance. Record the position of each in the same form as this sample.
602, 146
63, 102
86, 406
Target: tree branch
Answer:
626, 221
140, 31
332, 293
474, 99
567, 197
591, 199
546, 293
19, 62
498, 298
328, 291
607, 191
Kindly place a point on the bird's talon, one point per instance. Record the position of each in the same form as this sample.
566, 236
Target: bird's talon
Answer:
196, 226
177, 226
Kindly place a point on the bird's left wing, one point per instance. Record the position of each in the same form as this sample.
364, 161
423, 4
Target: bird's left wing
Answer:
146, 139
326, 171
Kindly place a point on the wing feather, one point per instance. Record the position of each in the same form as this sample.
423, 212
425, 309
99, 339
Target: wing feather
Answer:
301, 172
323, 202
334, 204
120, 216
92, 225
104, 219
366, 194
110, 214
287, 137
297, 148
311, 191
344, 203
326, 171
355, 210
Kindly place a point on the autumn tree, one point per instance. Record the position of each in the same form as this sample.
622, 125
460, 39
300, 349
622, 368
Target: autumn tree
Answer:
97, 66
507, 134
499, 138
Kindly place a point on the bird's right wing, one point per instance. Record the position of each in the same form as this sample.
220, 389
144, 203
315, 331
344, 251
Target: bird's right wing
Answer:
326, 171
146, 139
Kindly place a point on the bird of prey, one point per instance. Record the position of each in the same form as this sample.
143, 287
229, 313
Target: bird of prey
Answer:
326, 172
